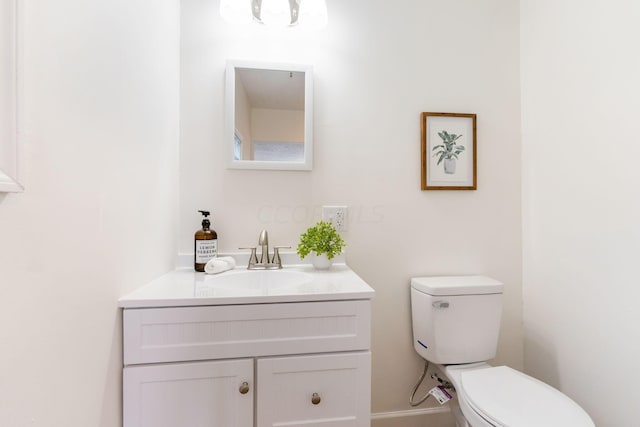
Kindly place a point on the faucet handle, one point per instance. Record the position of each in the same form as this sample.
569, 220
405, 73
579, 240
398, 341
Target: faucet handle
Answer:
253, 258
276, 255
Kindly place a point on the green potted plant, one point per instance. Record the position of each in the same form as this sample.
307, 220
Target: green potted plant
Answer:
448, 151
323, 242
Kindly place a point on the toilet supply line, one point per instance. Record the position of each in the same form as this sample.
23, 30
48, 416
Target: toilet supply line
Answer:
444, 384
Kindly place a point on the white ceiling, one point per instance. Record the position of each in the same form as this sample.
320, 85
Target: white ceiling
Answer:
283, 90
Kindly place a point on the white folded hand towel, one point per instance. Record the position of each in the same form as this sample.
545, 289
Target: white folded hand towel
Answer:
219, 264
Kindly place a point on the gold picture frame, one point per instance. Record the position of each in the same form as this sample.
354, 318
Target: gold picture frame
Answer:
448, 151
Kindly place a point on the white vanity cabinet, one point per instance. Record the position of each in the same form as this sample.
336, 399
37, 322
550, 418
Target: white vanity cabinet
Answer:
301, 362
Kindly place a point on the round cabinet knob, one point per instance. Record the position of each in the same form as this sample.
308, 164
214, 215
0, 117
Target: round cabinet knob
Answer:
244, 388
315, 398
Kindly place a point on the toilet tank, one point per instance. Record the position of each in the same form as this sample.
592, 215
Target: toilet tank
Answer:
456, 319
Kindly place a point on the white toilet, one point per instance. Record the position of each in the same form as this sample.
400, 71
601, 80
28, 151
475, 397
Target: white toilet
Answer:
456, 322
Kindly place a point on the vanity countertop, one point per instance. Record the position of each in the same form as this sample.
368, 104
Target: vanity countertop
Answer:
294, 283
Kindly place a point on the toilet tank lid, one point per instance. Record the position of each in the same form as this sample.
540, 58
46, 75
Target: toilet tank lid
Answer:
457, 285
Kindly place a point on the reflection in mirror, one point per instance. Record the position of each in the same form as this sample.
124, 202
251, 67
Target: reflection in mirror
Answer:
269, 116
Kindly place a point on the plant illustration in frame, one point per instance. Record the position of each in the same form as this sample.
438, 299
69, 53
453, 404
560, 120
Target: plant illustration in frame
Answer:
448, 149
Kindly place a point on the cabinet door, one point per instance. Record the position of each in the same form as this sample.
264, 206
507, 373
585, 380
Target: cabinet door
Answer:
329, 390
200, 394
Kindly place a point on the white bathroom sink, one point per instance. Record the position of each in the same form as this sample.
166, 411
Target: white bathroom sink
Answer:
258, 280
295, 283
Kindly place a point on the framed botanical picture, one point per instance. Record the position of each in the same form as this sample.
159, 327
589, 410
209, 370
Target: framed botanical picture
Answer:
448, 151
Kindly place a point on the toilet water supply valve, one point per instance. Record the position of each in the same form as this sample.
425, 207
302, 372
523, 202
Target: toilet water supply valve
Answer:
444, 383
439, 392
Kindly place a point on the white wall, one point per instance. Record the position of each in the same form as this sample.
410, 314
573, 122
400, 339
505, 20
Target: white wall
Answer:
580, 109
376, 69
99, 128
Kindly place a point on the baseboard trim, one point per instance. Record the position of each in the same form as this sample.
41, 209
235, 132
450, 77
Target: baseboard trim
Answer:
409, 413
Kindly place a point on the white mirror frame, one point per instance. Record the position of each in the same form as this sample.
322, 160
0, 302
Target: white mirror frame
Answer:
9, 151
305, 165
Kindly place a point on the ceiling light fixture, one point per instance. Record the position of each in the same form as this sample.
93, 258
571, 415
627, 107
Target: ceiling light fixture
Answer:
277, 13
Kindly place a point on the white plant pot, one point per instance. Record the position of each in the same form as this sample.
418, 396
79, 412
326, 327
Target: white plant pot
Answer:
321, 262
450, 166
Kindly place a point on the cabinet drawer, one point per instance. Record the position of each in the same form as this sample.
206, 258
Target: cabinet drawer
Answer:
329, 390
154, 335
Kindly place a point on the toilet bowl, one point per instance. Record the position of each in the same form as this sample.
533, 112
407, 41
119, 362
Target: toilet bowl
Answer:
456, 321
500, 397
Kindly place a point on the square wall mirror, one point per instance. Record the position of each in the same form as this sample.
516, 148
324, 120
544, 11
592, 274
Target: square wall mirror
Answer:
269, 116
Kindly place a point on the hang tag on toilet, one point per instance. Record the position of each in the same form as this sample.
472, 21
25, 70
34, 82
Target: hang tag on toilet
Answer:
441, 395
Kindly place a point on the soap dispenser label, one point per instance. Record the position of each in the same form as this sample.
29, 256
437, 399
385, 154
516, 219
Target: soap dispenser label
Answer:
205, 250
441, 395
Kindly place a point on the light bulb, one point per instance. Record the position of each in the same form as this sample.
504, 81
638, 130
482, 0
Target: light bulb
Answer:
311, 14
275, 13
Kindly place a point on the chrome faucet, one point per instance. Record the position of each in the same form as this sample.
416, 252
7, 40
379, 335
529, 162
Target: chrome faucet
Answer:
263, 241
265, 262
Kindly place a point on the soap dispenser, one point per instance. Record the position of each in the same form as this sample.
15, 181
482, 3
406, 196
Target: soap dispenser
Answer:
205, 244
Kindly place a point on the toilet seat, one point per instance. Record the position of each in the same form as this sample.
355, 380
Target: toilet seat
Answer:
505, 397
